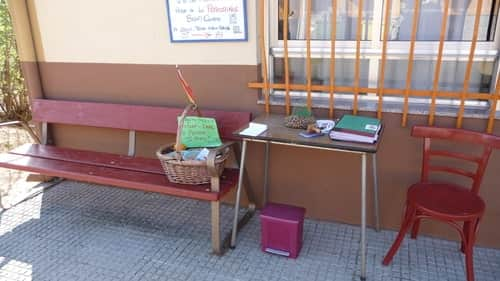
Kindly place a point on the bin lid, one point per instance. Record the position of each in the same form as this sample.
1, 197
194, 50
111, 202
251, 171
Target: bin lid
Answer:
283, 211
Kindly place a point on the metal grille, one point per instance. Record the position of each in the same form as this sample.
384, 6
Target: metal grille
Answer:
407, 92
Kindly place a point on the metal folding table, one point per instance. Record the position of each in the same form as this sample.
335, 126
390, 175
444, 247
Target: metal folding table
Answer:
277, 133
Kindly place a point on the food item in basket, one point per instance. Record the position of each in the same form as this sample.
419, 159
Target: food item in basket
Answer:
179, 147
190, 154
202, 154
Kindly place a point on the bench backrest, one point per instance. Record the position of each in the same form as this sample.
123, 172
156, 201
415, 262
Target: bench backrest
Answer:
129, 117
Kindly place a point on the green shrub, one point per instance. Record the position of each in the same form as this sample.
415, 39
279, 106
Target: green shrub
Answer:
14, 103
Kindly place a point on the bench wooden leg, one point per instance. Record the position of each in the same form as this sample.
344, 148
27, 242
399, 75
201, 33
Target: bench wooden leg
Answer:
215, 206
216, 243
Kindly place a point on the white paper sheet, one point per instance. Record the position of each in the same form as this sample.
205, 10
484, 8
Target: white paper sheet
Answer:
254, 129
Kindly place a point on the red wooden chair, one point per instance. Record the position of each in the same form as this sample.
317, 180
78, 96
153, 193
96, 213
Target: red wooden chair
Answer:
453, 204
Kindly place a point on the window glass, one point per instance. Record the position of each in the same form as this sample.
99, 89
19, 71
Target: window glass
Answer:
320, 75
460, 25
321, 12
461, 16
451, 77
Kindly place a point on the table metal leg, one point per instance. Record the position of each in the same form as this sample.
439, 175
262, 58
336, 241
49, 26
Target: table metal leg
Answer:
375, 193
266, 172
238, 193
363, 216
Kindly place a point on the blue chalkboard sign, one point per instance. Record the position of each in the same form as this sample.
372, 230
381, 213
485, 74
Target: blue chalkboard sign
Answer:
207, 20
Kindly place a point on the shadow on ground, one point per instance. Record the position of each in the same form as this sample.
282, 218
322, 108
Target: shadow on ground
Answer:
80, 231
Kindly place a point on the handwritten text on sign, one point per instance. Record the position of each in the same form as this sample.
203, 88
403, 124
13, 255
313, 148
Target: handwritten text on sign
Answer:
207, 20
200, 132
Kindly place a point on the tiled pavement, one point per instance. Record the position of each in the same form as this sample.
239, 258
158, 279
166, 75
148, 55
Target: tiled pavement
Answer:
79, 231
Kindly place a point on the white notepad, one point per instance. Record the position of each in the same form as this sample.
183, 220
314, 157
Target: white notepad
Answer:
254, 129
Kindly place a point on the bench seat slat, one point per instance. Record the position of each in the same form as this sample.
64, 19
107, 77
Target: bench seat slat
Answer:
117, 177
139, 164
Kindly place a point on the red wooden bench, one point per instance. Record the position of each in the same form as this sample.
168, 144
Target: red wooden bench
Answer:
126, 171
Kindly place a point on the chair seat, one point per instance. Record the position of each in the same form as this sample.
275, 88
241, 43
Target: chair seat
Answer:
446, 200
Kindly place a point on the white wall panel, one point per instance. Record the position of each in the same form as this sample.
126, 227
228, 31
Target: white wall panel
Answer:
128, 31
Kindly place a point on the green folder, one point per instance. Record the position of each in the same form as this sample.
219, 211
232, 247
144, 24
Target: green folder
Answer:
360, 125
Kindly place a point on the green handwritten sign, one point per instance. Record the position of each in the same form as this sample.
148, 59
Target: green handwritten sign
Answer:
200, 132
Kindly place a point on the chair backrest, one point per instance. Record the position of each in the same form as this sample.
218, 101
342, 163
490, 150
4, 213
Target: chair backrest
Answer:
487, 141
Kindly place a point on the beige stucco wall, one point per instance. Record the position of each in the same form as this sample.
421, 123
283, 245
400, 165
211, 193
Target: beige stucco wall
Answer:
128, 31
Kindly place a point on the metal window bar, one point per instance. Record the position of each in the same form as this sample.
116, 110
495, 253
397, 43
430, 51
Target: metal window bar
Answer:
285, 44
358, 52
387, 91
493, 109
308, 55
333, 38
437, 71
409, 71
468, 69
263, 48
384, 57
434, 93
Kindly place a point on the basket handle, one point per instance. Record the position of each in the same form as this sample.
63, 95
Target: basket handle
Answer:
212, 171
180, 125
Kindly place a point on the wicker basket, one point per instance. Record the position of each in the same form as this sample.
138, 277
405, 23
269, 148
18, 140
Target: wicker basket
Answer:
190, 171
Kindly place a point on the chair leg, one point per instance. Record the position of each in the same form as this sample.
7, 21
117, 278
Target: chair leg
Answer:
469, 248
405, 225
466, 233
469, 263
415, 228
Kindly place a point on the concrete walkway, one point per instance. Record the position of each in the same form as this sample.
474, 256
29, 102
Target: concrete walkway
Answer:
80, 231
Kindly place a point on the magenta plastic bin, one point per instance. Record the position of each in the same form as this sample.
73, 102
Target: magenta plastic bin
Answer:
281, 227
